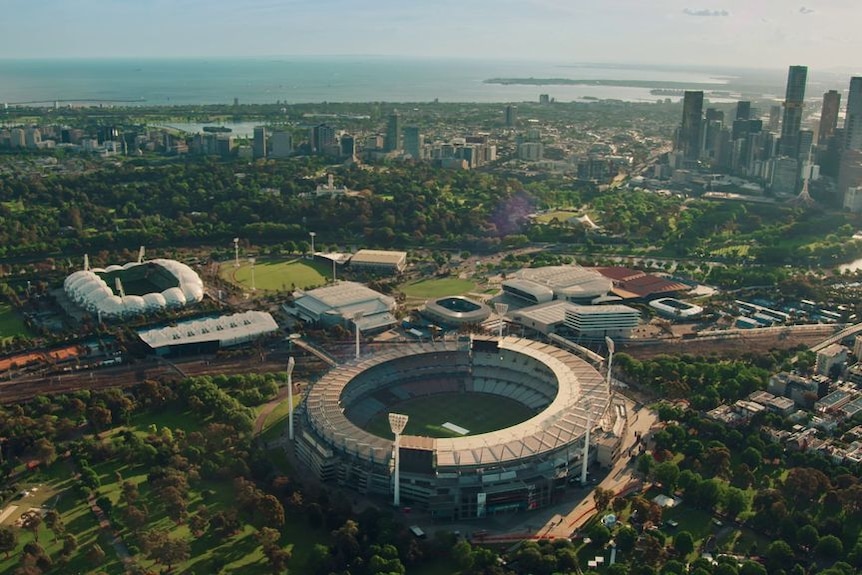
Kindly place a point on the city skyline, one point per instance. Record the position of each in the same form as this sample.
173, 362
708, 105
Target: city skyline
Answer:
769, 34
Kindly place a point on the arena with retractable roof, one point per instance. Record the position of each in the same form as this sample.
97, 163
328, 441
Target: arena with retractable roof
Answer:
460, 460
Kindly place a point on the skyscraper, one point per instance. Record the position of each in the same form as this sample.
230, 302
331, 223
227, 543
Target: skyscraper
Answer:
322, 137
828, 115
853, 118
511, 116
794, 99
413, 142
393, 133
259, 144
743, 110
689, 138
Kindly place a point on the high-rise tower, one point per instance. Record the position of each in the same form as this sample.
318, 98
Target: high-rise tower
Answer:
828, 115
853, 119
794, 98
689, 140
393, 133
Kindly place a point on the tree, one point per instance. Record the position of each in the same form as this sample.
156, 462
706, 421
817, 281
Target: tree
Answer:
779, 555
829, 547
667, 473
54, 522
735, 501
171, 551
70, 545
96, 555
683, 543
599, 534
752, 568
8, 540
626, 538
270, 511
807, 536
44, 451
602, 498
31, 521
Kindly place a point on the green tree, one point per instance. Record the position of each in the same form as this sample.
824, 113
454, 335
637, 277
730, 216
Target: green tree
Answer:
8, 540
683, 543
829, 547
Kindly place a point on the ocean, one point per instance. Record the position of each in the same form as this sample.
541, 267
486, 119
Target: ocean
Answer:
169, 82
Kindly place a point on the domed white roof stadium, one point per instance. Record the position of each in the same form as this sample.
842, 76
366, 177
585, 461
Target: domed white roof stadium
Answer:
173, 284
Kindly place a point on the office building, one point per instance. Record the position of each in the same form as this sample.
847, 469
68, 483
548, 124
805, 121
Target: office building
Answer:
259, 145
794, 100
785, 176
348, 146
602, 320
743, 110
853, 203
853, 117
828, 116
511, 116
530, 151
774, 118
281, 144
806, 140
689, 139
322, 137
393, 133
32, 137
413, 142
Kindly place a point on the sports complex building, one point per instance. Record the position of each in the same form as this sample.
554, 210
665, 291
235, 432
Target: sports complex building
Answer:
518, 466
142, 287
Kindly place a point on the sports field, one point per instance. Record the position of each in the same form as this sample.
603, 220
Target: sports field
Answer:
277, 275
11, 323
437, 287
477, 412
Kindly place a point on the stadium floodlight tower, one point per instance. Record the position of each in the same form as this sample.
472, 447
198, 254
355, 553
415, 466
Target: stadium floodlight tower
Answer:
236, 252
610, 343
356, 317
251, 261
501, 309
397, 423
312, 234
586, 454
291, 363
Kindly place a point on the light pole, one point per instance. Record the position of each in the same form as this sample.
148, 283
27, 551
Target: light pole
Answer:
333, 270
291, 363
251, 261
356, 317
397, 423
312, 234
586, 454
236, 252
610, 343
501, 309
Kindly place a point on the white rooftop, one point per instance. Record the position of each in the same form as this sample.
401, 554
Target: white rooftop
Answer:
227, 328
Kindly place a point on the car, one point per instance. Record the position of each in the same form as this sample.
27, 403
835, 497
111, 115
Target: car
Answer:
673, 524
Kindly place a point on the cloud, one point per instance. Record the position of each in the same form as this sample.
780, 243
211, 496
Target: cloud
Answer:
805, 10
706, 12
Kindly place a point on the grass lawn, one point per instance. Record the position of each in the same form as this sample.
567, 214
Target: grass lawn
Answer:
276, 422
560, 215
277, 275
11, 323
478, 412
437, 287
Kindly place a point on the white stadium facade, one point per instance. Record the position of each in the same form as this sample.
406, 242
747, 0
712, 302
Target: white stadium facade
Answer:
521, 467
90, 290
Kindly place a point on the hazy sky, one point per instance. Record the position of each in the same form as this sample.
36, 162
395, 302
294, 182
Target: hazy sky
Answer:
740, 33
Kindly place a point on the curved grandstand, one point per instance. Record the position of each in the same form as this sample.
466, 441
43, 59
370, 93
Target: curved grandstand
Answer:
514, 468
147, 287
456, 311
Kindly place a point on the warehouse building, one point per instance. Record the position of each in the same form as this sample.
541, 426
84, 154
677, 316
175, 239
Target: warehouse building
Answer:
602, 320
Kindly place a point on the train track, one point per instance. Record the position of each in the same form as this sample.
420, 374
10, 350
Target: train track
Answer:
24, 388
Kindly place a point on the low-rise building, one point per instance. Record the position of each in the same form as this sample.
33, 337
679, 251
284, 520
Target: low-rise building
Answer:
602, 320
379, 261
829, 357
347, 304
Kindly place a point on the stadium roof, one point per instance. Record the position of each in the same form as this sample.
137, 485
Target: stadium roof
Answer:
346, 299
226, 329
568, 281
561, 423
631, 284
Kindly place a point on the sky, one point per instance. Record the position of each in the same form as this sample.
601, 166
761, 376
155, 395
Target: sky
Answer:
733, 33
